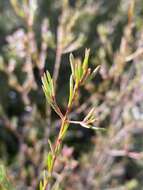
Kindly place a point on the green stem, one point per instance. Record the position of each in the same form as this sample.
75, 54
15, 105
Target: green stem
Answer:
61, 136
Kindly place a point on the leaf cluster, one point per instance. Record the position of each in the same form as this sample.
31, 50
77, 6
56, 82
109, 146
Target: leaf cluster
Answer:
81, 73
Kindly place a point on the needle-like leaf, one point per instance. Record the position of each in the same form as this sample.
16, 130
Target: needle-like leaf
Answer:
71, 90
91, 127
89, 114
49, 161
85, 62
48, 88
72, 64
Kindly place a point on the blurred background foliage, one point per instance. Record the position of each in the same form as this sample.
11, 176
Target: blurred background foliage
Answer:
38, 35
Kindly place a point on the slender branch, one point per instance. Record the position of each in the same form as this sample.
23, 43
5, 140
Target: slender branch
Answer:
134, 55
58, 54
60, 137
80, 73
75, 122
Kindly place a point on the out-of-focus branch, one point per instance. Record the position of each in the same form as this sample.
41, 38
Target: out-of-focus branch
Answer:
58, 53
134, 55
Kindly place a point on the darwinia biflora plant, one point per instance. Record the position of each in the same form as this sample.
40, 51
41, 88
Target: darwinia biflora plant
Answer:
81, 73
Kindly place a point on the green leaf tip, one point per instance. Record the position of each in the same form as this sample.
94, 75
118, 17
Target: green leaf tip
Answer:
86, 58
72, 64
71, 90
49, 161
48, 86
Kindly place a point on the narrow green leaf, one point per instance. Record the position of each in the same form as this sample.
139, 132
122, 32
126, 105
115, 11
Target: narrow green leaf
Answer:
71, 90
77, 72
48, 76
49, 161
72, 64
41, 185
52, 88
45, 83
48, 86
49, 80
46, 94
85, 61
44, 80
49, 83
79, 69
89, 114
92, 127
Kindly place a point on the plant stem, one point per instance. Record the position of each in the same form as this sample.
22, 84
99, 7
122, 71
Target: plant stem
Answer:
56, 151
60, 137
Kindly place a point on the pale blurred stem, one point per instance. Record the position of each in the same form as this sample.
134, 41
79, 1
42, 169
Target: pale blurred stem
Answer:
58, 54
75, 122
59, 50
59, 140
